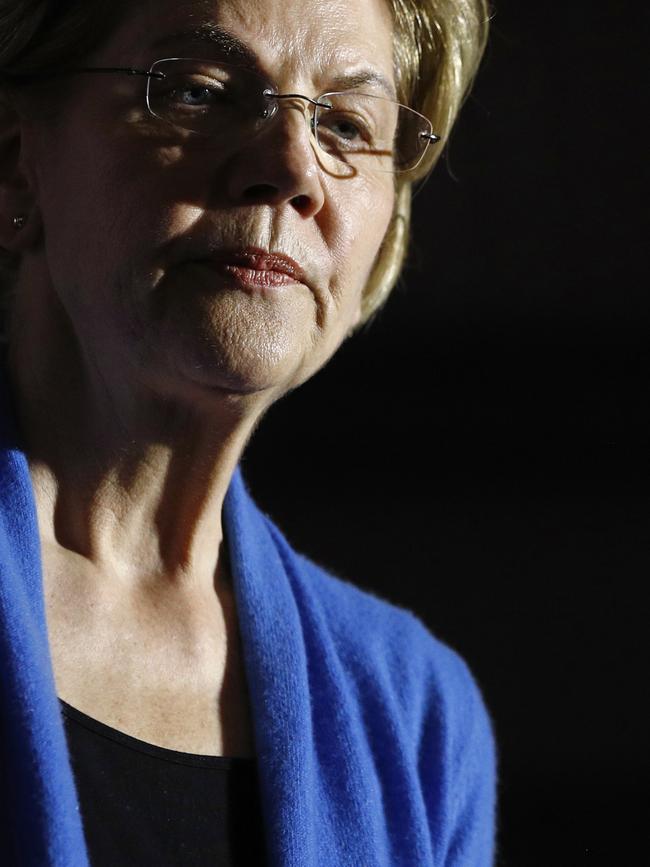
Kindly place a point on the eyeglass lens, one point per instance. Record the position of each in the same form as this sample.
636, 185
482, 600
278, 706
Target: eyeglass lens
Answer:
362, 132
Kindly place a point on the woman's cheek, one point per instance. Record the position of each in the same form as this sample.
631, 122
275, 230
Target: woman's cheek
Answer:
363, 224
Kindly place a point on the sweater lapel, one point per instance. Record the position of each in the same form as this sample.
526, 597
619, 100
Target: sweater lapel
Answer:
276, 667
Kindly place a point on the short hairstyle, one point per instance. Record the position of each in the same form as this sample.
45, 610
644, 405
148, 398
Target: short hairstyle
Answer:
438, 47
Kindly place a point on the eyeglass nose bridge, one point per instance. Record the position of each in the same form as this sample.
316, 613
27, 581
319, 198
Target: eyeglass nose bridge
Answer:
273, 98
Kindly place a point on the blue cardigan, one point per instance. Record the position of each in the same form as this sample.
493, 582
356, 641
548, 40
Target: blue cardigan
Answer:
373, 743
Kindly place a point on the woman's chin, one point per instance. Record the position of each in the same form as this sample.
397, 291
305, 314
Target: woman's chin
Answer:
219, 379
210, 374
242, 348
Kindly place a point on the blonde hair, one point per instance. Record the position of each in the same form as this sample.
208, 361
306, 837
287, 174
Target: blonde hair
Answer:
438, 47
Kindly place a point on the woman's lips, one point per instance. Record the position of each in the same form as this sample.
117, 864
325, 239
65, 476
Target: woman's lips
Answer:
255, 268
256, 277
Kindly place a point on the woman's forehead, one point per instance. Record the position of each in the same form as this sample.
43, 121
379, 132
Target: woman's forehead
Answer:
299, 37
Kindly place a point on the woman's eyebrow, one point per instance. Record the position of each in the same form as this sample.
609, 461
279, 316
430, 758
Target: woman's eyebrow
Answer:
210, 35
350, 80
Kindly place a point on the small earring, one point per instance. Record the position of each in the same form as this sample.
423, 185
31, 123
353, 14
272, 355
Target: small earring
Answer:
18, 222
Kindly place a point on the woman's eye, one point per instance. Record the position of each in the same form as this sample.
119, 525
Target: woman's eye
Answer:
349, 131
200, 96
343, 128
196, 94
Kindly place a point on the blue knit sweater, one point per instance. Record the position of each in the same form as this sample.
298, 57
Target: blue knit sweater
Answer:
373, 743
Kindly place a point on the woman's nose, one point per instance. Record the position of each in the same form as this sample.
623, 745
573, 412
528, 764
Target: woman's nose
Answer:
279, 165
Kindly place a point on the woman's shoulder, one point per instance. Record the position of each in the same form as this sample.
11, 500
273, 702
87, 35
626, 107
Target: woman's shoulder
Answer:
417, 708
382, 640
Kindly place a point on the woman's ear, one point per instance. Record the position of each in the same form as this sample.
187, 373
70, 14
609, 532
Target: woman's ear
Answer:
19, 216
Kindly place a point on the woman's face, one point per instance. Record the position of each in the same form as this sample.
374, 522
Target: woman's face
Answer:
129, 204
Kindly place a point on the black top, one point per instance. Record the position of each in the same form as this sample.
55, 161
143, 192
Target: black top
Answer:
145, 805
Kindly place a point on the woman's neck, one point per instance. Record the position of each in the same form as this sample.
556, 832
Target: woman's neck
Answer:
123, 476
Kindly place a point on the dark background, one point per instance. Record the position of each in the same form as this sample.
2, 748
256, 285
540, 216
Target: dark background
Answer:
480, 453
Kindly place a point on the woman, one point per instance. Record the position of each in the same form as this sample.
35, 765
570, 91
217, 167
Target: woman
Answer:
199, 202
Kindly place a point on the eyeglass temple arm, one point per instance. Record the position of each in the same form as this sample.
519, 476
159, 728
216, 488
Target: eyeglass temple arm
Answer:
126, 70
